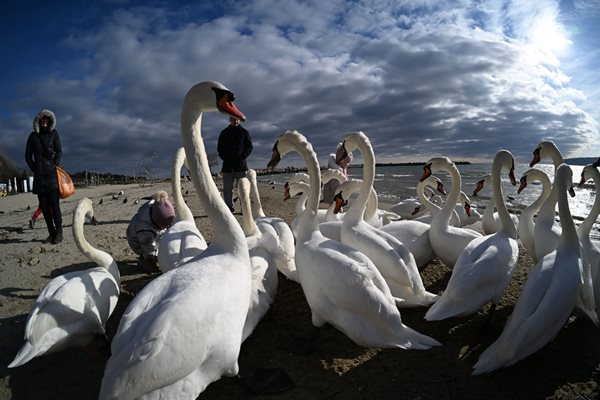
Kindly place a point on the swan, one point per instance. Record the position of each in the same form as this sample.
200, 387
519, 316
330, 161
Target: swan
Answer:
414, 234
341, 285
589, 299
485, 267
448, 242
264, 270
393, 259
527, 219
183, 330
546, 230
277, 229
490, 220
548, 297
467, 215
182, 241
73, 307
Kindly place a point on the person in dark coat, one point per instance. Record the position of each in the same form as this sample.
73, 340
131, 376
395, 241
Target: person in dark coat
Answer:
234, 147
42, 153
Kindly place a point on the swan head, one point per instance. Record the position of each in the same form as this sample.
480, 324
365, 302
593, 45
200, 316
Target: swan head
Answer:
435, 164
564, 176
349, 144
214, 96
339, 202
485, 180
465, 201
506, 160
435, 182
532, 175
542, 150
284, 144
588, 173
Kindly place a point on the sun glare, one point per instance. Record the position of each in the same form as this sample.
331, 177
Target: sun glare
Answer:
547, 36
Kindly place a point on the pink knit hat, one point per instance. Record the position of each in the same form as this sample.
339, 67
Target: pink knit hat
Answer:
162, 213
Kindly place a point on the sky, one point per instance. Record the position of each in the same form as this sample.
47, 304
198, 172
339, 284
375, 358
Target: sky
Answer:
461, 79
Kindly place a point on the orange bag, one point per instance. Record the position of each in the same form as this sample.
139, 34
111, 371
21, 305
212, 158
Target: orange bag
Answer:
66, 187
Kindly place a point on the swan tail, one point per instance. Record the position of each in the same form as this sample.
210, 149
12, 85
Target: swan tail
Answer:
443, 309
423, 299
25, 354
414, 340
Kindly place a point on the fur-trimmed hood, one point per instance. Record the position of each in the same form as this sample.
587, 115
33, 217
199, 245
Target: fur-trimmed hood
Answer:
44, 113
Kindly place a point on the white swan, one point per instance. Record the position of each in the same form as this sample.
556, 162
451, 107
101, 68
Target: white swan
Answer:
448, 242
547, 231
467, 215
589, 299
277, 229
393, 259
490, 220
414, 234
485, 267
182, 241
526, 227
184, 329
548, 297
73, 307
342, 286
264, 269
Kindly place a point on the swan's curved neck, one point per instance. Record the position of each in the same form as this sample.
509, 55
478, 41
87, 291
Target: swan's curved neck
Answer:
256, 204
99, 257
424, 200
452, 199
357, 211
228, 234
505, 220
569, 233
586, 226
248, 223
308, 219
183, 211
546, 188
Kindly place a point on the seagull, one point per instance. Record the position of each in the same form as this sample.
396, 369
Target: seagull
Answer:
115, 197
136, 201
125, 200
121, 193
101, 201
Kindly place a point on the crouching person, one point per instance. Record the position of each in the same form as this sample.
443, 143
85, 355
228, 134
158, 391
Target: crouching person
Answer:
146, 226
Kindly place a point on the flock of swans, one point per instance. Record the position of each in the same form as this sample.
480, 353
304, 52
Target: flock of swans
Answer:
357, 268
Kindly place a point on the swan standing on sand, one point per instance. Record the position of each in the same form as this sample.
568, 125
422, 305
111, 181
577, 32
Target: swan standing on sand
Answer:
526, 227
485, 267
589, 299
182, 241
548, 297
490, 220
392, 258
341, 285
264, 270
74, 307
547, 231
448, 242
279, 231
184, 329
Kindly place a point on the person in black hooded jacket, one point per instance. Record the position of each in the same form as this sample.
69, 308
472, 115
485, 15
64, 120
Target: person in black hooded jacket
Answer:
42, 153
234, 146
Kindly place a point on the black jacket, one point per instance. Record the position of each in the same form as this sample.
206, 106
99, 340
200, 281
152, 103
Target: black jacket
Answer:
42, 153
234, 147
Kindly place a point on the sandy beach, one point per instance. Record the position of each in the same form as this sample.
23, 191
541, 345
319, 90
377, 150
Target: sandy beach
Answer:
567, 368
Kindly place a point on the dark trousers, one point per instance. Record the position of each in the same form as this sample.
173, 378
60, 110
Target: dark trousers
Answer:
50, 205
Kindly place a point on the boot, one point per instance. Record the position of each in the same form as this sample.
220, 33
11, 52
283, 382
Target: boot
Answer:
58, 237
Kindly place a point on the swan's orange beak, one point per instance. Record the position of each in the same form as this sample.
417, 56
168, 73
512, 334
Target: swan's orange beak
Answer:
339, 202
571, 191
416, 210
536, 157
478, 187
440, 188
468, 209
522, 184
275, 158
511, 175
226, 105
426, 172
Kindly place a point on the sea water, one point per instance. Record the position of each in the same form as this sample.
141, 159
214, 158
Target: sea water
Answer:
397, 182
